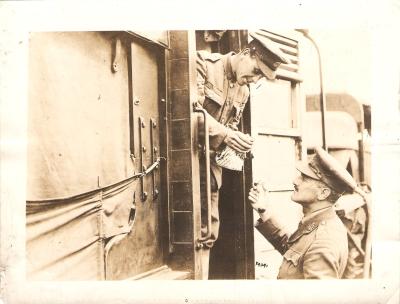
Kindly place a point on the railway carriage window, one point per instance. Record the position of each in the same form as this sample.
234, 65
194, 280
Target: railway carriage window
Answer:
278, 96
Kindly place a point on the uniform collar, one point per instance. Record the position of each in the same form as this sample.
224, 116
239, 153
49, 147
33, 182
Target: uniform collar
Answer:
311, 222
228, 66
315, 216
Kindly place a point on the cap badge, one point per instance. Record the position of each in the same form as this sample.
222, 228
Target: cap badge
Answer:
315, 170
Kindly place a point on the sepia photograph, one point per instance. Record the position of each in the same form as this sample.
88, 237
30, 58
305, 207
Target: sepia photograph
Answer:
149, 151
223, 157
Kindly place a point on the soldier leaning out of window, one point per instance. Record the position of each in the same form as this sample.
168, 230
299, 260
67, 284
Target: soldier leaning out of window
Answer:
223, 92
318, 249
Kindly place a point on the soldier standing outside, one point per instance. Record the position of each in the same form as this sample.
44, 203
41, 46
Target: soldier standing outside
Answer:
318, 249
223, 92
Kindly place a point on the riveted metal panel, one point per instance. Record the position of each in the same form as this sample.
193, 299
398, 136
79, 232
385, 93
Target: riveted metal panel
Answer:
141, 250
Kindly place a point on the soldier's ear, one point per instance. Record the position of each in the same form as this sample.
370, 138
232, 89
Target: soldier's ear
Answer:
324, 193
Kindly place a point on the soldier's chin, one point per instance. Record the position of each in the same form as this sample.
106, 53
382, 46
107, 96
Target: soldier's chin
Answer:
293, 198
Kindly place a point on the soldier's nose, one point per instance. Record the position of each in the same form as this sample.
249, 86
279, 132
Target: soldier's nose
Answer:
296, 181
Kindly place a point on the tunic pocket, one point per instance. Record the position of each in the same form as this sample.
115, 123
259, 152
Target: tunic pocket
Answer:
291, 268
292, 256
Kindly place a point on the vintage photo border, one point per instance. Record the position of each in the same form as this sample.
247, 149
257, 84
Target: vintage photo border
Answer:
19, 18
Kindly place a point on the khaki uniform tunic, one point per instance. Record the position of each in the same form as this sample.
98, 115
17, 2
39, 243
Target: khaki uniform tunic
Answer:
316, 250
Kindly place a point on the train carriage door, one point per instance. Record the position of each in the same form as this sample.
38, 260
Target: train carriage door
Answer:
276, 108
166, 211
141, 253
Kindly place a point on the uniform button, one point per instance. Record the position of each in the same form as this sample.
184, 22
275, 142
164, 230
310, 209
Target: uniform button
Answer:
231, 85
323, 223
222, 120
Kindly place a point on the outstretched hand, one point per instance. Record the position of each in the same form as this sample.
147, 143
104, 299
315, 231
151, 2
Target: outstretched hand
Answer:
258, 197
239, 141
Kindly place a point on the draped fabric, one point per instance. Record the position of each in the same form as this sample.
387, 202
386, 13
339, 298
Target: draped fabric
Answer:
78, 128
82, 170
78, 115
66, 237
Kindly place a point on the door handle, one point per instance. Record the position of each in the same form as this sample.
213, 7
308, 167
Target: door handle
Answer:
199, 109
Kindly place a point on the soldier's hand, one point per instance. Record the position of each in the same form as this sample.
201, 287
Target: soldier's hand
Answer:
258, 197
239, 141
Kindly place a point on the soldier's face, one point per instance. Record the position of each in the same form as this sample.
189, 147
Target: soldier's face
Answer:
247, 71
306, 190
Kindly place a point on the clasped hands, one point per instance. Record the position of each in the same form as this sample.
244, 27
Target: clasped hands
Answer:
239, 141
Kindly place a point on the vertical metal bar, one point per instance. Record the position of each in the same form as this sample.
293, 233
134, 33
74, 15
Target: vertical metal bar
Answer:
154, 152
142, 125
208, 175
163, 146
361, 152
322, 100
131, 104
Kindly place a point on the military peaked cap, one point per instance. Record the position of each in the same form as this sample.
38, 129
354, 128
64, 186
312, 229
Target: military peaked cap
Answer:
268, 55
324, 167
